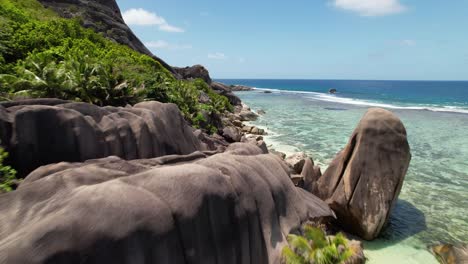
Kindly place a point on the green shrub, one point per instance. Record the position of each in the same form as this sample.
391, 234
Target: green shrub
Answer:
315, 247
7, 174
42, 55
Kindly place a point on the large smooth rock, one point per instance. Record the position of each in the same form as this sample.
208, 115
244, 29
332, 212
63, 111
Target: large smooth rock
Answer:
364, 180
233, 207
194, 72
39, 134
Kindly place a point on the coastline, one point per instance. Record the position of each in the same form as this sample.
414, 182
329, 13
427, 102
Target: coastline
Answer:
378, 251
412, 246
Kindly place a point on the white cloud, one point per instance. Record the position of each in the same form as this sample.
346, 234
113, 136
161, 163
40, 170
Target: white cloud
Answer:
408, 42
169, 28
371, 7
217, 56
161, 44
142, 17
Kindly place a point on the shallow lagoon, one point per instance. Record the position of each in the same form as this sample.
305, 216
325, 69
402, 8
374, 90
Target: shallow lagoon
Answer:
434, 198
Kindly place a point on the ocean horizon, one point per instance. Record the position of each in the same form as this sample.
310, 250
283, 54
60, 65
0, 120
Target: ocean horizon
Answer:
301, 115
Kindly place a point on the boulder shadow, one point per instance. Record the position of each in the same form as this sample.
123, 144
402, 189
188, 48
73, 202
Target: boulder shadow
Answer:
405, 221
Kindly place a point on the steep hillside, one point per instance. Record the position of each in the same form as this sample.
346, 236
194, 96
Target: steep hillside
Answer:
103, 16
45, 56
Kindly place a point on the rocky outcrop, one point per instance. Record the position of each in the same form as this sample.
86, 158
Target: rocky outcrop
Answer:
234, 207
364, 180
226, 91
103, 16
296, 161
310, 174
194, 72
246, 114
232, 134
37, 134
240, 88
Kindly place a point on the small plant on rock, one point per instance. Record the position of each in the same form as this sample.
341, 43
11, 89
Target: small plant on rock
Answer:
7, 174
315, 247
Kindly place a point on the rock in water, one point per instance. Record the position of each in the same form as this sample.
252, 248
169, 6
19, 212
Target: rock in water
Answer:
233, 207
364, 180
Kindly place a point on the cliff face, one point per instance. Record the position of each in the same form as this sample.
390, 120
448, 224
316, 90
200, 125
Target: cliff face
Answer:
103, 16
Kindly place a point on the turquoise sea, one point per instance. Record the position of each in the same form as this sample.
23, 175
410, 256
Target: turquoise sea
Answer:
433, 207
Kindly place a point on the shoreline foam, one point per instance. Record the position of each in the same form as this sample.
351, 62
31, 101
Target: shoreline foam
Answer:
361, 102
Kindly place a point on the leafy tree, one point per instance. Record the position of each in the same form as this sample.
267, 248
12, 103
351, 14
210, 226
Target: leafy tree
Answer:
315, 247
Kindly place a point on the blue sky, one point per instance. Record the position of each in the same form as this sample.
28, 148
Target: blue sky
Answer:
308, 39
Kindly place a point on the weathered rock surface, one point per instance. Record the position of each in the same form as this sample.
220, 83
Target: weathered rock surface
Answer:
234, 207
247, 115
364, 180
103, 16
194, 72
232, 134
296, 161
257, 131
310, 174
257, 141
39, 134
240, 88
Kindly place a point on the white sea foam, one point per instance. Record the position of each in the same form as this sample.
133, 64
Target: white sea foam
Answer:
359, 102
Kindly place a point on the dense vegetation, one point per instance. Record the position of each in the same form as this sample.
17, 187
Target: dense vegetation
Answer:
7, 174
42, 55
315, 247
